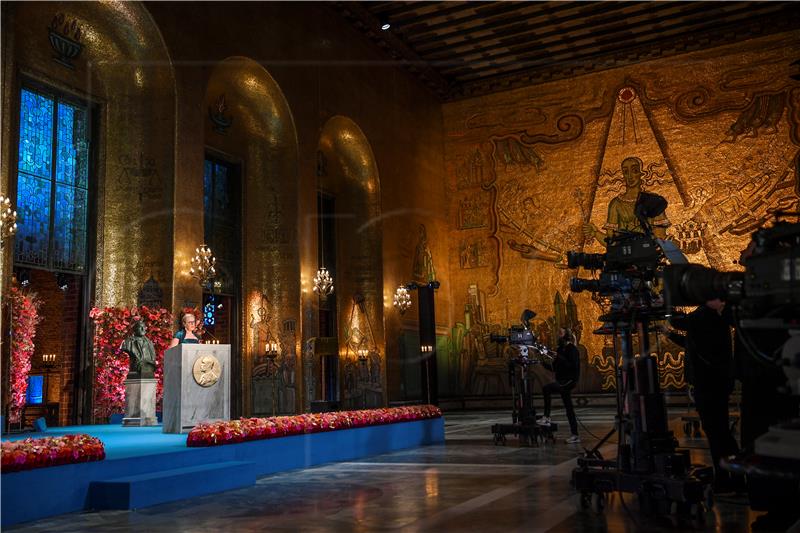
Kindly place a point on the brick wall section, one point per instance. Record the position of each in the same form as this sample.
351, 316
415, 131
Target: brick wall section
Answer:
59, 333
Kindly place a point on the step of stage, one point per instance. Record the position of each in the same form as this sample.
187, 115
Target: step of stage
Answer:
144, 490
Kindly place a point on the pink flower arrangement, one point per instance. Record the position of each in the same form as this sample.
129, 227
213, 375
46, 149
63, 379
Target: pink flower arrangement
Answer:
111, 326
27, 454
248, 429
25, 311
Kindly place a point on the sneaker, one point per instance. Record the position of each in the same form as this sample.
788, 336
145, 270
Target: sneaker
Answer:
573, 439
544, 421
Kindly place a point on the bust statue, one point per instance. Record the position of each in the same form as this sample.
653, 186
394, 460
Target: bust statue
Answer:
142, 353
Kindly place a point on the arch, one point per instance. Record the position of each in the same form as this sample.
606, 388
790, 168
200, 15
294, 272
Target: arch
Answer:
262, 137
125, 69
350, 174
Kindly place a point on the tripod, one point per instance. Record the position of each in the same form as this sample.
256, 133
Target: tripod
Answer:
648, 462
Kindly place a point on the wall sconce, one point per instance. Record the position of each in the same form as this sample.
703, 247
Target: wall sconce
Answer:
323, 283
363, 353
402, 299
203, 265
8, 220
426, 348
49, 360
271, 350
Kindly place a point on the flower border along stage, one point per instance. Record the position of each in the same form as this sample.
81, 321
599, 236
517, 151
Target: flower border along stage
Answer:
27, 454
249, 429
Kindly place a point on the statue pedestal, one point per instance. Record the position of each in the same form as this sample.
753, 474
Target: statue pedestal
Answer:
140, 399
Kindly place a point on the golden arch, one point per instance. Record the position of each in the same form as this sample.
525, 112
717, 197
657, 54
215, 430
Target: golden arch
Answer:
262, 137
349, 172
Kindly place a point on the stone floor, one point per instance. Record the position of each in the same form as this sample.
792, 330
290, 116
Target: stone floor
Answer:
468, 484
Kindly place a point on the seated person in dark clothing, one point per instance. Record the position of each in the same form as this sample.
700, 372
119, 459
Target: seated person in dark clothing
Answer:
708, 365
567, 367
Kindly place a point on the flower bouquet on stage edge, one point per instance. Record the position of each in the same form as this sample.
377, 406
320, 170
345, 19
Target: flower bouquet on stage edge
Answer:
248, 429
27, 454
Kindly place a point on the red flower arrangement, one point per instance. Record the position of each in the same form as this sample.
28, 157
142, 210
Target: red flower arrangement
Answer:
248, 429
27, 454
25, 312
112, 325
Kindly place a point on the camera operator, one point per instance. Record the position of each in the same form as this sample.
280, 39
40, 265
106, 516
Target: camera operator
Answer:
762, 402
567, 367
765, 402
709, 369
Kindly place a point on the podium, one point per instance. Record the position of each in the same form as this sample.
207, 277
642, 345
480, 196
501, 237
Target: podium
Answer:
196, 385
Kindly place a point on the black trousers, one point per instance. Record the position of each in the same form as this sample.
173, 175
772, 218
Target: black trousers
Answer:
566, 396
712, 406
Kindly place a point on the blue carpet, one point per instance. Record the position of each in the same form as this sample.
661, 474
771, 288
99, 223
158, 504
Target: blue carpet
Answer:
120, 442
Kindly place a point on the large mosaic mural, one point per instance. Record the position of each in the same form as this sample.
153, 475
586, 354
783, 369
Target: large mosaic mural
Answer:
539, 171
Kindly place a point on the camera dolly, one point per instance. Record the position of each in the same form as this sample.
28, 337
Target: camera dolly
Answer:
523, 414
648, 462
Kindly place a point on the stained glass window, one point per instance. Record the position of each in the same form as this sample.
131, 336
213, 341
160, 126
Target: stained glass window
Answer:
52, 197
221, 219
209, 310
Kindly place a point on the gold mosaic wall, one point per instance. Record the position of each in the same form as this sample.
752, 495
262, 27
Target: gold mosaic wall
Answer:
527, 170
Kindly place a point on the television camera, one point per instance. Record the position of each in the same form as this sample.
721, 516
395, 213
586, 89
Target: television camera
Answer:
648, 462
765, 303
524, 353
766, 296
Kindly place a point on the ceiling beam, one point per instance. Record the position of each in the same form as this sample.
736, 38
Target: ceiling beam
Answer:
453, 8
525, 31
604, 61
611, 46
396, 8
428, 34
614, 35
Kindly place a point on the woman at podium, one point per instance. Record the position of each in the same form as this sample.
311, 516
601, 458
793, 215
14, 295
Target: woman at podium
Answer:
185, 335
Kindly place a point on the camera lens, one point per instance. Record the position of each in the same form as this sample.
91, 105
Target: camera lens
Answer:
580, 285
588, 261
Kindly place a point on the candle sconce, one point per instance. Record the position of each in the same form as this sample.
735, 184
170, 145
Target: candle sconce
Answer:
426, 355
8, 220
363, 361
271, 352
49, 360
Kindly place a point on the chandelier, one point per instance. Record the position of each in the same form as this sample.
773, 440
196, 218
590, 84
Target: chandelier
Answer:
402, 299
323, 283
203, 265
8, 220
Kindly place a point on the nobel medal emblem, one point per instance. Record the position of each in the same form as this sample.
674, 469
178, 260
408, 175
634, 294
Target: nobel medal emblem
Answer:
206, 370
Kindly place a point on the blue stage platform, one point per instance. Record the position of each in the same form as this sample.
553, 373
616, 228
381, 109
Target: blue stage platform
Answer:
146, 467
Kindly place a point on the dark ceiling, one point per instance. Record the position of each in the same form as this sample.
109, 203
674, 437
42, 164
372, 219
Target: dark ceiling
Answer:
462, 49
